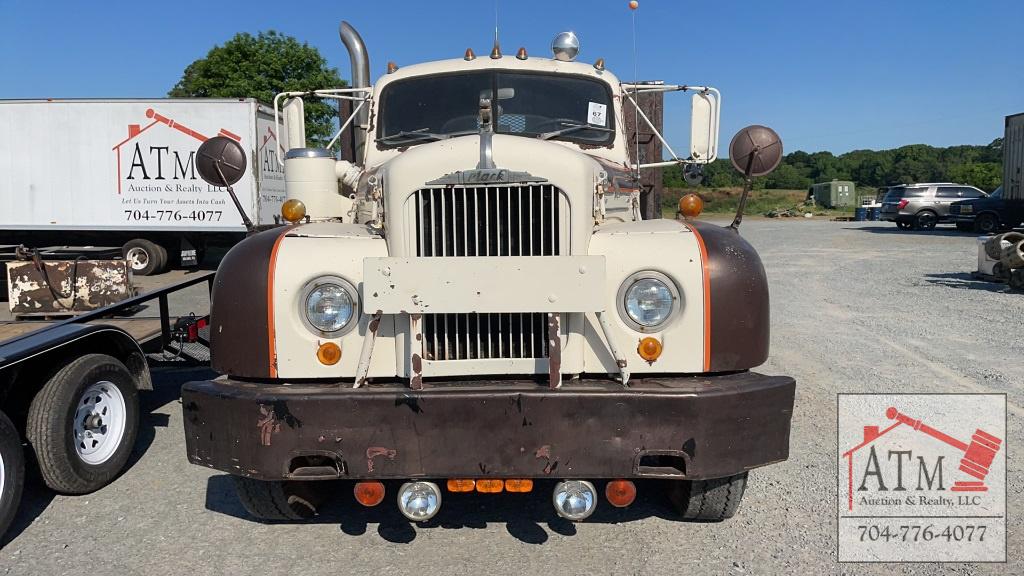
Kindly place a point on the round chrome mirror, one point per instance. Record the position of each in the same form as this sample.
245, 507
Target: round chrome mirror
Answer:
220, 161
755, 150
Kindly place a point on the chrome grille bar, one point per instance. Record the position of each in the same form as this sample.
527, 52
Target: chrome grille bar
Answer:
519, 220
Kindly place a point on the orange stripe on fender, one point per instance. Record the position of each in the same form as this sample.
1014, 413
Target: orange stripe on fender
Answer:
707, 294
271, 332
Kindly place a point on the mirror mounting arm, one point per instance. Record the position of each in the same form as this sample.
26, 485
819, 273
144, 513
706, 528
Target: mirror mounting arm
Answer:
748, 183
234, 198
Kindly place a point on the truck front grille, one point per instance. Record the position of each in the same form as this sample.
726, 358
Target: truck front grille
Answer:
517, 220
522, 220
483, 336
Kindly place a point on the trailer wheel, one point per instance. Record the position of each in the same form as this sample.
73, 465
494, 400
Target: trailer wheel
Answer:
986, 224
82, 424
708, 500
278, 500
144, 257
12, 472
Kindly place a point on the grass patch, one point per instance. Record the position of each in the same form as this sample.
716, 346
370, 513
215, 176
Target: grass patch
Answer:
723, 201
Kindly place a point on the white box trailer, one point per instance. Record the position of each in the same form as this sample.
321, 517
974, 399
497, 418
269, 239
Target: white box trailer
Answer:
123, 173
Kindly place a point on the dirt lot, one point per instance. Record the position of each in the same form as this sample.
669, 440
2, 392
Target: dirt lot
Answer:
856, 307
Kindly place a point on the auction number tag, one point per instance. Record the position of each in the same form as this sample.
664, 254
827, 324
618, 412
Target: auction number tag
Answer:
597, 114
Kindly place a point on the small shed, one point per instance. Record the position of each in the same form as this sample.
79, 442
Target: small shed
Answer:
834, 194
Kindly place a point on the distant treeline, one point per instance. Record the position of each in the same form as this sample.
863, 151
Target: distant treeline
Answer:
980, 166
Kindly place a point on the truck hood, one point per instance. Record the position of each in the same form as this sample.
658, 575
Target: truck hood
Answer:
574, 173
566, 168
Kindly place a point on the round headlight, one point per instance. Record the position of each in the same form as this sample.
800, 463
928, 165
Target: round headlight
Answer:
330, 307
648, 300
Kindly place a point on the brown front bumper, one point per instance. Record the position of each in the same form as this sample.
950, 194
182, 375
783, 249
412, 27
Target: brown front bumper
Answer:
690, 427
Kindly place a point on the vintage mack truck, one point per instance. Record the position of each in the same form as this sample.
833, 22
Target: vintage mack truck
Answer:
475, 303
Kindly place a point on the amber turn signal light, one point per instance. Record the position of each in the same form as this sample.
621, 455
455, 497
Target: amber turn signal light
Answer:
490, 486
293, 210
649, 349
620, 493
328, 353
369, 493
519, 485
691, 205
460, 485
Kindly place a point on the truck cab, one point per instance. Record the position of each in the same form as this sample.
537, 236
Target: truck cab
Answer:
475, 302
988, 214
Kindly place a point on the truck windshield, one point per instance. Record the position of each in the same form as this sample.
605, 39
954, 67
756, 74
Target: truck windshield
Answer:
998, 193
418, 110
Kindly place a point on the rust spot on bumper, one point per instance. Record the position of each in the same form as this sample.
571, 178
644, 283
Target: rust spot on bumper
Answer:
375, 451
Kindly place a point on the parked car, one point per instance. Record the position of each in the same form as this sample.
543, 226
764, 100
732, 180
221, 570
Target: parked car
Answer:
922, 206
988, 215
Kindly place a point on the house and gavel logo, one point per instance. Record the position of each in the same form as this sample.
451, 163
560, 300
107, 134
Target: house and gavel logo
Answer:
893, 470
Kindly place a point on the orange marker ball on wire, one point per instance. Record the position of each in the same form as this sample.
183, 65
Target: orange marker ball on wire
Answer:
633, 4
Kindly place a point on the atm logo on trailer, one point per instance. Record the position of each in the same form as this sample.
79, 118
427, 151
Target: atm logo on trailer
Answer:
146, 163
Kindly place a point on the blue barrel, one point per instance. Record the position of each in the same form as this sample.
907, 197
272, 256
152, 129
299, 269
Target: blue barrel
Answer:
860, 214
872, 213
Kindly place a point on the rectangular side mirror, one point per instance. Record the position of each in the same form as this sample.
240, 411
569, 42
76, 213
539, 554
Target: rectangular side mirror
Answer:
704, 107
295, 122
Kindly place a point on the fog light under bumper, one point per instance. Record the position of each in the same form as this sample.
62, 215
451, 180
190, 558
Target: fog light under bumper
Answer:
574, 499
419, 501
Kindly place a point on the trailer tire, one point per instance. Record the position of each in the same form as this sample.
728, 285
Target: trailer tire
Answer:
12, 472
144, 256
708, 500
277, 501
82, 424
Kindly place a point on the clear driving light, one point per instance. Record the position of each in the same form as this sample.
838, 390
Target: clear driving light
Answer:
329, 307
574, 499
649, 302
419, 501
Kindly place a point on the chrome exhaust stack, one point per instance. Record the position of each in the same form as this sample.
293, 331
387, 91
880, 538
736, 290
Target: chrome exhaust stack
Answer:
359, 59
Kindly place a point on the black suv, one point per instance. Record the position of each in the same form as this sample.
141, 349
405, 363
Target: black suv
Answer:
988, 215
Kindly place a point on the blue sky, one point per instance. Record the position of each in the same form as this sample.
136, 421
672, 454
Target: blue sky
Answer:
827, 75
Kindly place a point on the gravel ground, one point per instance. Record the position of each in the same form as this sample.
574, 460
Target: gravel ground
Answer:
856, 307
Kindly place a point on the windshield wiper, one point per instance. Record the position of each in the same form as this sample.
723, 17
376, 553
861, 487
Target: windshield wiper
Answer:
422, 134
571, 127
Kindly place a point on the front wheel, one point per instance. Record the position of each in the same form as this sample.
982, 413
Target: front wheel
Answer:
82, 424
12, 472
278, 501
708, 500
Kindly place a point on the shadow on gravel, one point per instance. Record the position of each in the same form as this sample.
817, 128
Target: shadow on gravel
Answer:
525, 516
893, 230
965, 281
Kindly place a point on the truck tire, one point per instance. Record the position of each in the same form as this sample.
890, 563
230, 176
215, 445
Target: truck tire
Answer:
12, 472
82, 424
925, 220
986, 223
708, 500
277, 501
144, 257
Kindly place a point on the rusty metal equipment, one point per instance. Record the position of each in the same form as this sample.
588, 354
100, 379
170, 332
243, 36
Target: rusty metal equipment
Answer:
66, 287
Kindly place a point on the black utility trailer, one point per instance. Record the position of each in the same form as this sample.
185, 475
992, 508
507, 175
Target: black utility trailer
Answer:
69, 390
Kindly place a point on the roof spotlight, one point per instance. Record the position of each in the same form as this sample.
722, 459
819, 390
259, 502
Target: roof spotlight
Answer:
565, 46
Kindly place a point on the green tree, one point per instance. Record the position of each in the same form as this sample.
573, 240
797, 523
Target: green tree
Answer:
260, 67
984, 175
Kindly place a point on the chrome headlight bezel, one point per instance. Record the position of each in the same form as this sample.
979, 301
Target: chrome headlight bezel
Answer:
320, 282
623, 293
